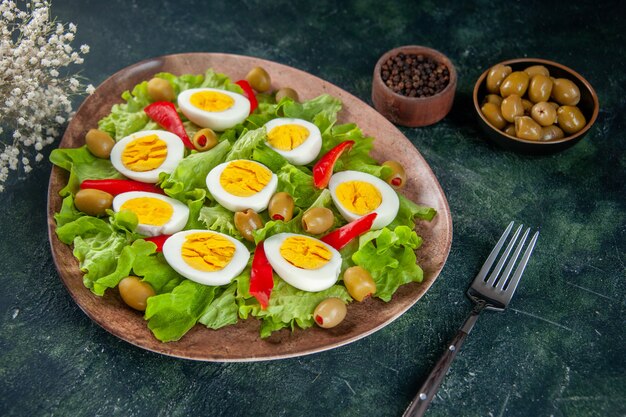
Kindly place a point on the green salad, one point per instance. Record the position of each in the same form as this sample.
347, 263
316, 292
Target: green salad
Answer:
112, 245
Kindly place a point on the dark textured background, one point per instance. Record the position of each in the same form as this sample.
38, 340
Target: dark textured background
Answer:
558, 351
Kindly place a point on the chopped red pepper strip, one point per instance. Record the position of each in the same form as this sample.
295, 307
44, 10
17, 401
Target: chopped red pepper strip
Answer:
159, 241
341, 237
116, 186
323, 169
245, 85
165, 114
261, 276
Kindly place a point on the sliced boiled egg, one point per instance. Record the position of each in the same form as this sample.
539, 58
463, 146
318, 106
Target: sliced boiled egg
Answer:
242, 184
142, 156
156, 213
356, 194
206, 257
297, 140
302, 261
214, 108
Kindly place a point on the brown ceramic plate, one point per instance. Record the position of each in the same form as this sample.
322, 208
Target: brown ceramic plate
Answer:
241, 342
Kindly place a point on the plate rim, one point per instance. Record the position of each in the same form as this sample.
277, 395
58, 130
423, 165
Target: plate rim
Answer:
443, 214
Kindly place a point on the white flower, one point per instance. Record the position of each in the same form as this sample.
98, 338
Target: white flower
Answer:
36, 101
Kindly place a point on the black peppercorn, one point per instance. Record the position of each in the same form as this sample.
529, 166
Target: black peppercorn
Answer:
415, 75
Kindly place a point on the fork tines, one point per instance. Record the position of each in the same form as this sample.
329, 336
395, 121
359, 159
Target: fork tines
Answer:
505, 282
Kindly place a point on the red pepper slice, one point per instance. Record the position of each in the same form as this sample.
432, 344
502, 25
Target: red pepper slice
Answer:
164, 113
159, 241
341, 237
261, 277
116, 186
323, 169
245, 85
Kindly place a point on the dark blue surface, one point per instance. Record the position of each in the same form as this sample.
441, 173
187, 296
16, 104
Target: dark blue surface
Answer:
558, 351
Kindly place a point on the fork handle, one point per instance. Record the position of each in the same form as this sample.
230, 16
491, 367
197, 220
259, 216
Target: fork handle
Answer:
427, 392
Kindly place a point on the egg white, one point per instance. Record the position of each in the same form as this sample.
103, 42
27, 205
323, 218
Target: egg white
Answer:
385, 212
257, 202
175, 153
176, 223
312, 280
308, 150
172, 252
218, 121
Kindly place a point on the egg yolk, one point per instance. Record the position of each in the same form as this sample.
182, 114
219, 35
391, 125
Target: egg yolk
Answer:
287, 137
211, 101
149, 210
244, 178
359, 197
144, 154
207, 251
304, 252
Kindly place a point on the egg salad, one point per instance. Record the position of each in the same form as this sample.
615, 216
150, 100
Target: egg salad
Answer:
226, 205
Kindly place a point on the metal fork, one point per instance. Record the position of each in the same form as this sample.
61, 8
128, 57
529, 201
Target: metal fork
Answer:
491, 292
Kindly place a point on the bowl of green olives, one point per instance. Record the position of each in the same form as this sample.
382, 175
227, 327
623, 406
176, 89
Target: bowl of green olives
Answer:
533, 105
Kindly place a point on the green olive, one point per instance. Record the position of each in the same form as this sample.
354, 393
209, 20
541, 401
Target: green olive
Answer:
543, 113
537, 69
246, 222
259, 79
160, 90
493, 98
493, 115
397, 178
512, 107
99, 143
281, 207
135, 292
93, 202
551, 132
359, 283
528, 105
317, 220
539, 88
510, 130
527, 128
515, 83
565, 92
330, 312
496, 75
204, 139
571, 119
286, 92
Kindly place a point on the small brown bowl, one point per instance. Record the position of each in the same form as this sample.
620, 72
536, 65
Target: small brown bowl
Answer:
413, 111
588, 105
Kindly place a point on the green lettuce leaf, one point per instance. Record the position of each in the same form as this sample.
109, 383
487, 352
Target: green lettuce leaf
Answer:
82, 165
244, 147
289, 306
219, 219
322, 109
408, 211
389, 256
172, 314
98, 244
68, 212
124, 265
128, 117
222, 311
191, 172
299, 184
155, 270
